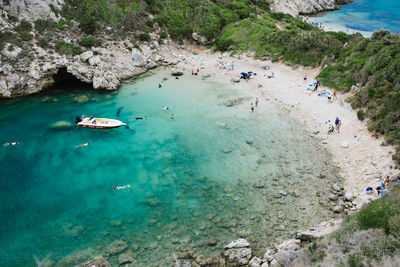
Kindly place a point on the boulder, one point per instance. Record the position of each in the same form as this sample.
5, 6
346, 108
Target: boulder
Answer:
81, 99
238, 252
265, 264
4, 92
94, 61
307, 236
106, 80
240, 243
151, 65
348, 196
116, 247
176, 73
255, 262
11, 53
235, 79
86, 55
338, 209
286, 247
240, 256
199, 39
268, 256
138, 58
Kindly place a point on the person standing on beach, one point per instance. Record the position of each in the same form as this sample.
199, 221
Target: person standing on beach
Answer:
252, 107
233, 65
334, 95
338, 123
256, 101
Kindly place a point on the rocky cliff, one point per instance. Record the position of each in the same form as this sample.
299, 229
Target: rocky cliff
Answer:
298, 7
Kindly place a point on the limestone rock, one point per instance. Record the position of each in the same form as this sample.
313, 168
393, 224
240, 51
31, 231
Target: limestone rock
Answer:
86, 55
268, 256
255, 262
199, 39
338, 209
286, 247
265, 264
296, 7
11, 53
4, 89
138, 58
240, 243
106, 80
240, 256
238, 252
176, 73
348, 196
31, 10
94, 61
116, 247
81, 99
151, 65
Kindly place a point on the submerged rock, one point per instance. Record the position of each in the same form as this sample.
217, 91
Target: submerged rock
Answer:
126, 257
255, 262
98, 262
81, 99
116, 247
61, 125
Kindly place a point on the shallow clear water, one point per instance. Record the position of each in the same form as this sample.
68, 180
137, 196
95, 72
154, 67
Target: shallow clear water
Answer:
185, 189
366, 16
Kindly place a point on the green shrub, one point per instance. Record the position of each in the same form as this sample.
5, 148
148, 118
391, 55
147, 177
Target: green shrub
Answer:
87, 41
163, 35
65, 48
360, 114
149, 23
23, 27
59, 25
354, 261
10, 48
42, 25
374, 215
144, 37
42, 42
136, 46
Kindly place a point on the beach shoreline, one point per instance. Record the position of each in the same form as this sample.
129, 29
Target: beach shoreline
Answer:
361, 158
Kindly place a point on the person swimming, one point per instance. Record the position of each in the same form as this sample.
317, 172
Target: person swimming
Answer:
164, 107
222, 124
119, 110
11, 144
121, 187
172, 116
140, 118
82, 145
159, 85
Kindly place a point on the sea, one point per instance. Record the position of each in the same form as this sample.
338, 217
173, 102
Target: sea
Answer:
364, 16
195, 185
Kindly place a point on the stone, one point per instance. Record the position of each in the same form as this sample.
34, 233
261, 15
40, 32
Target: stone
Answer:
176, 72
235, 79
338, 209
13, 54
94, 61
4, 89
227, 150
354, 88
255, 262
268, 256
7, 69
240, 243
240, 256
199, 39
151, 65
259, 185
126, 257
287, 247
106, 80
86, 55
332, 197
265, 264
116, 247
348, 196
274, 263
345, 144
138, 58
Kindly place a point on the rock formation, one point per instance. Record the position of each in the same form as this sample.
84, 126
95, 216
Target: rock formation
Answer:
298, 7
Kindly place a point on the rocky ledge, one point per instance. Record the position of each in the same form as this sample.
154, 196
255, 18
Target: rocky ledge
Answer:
103, 67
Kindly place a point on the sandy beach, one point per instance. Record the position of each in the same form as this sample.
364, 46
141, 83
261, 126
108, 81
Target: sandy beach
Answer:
362, 160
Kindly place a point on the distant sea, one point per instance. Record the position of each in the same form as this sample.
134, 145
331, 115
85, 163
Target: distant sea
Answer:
365, 16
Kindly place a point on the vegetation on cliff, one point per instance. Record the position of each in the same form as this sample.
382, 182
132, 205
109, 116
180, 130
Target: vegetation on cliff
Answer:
366, 238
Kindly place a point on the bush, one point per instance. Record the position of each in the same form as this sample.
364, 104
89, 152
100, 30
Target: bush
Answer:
87, 41
42, 42
375, 215
144, 37
42, 25
24, 26
149, 23
65, 48
163, 35
354, 261
360, 114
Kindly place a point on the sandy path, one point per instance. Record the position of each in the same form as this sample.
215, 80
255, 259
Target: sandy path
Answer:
363, 163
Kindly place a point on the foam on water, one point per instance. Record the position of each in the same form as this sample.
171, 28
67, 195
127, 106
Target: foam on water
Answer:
365, 16
191, 179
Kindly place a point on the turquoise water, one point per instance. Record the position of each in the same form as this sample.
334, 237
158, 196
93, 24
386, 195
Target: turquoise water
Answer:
191, 179
366, 16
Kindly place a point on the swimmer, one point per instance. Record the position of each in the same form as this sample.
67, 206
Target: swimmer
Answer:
121, 187
172, 116
252, 107
256, 101
164, 107
11, 144
222, 124
82, 145
159, 85
140, 118
119, 110
176, 78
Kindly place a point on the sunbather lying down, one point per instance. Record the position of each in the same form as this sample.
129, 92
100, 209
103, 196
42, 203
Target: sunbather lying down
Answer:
121, 187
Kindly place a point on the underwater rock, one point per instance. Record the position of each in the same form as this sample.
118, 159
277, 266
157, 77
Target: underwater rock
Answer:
259, 185
152, 202
227, 150
81, 99
135, 247
61, 125
126, 257
116, 247
212, 241
98, 262
234, 102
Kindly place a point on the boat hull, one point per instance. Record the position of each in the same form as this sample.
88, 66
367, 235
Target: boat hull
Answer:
100, 123
99, 127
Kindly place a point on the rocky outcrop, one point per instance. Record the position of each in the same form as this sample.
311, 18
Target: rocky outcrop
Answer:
297, 7
104, 68
98, 262
29, 10
238, 252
